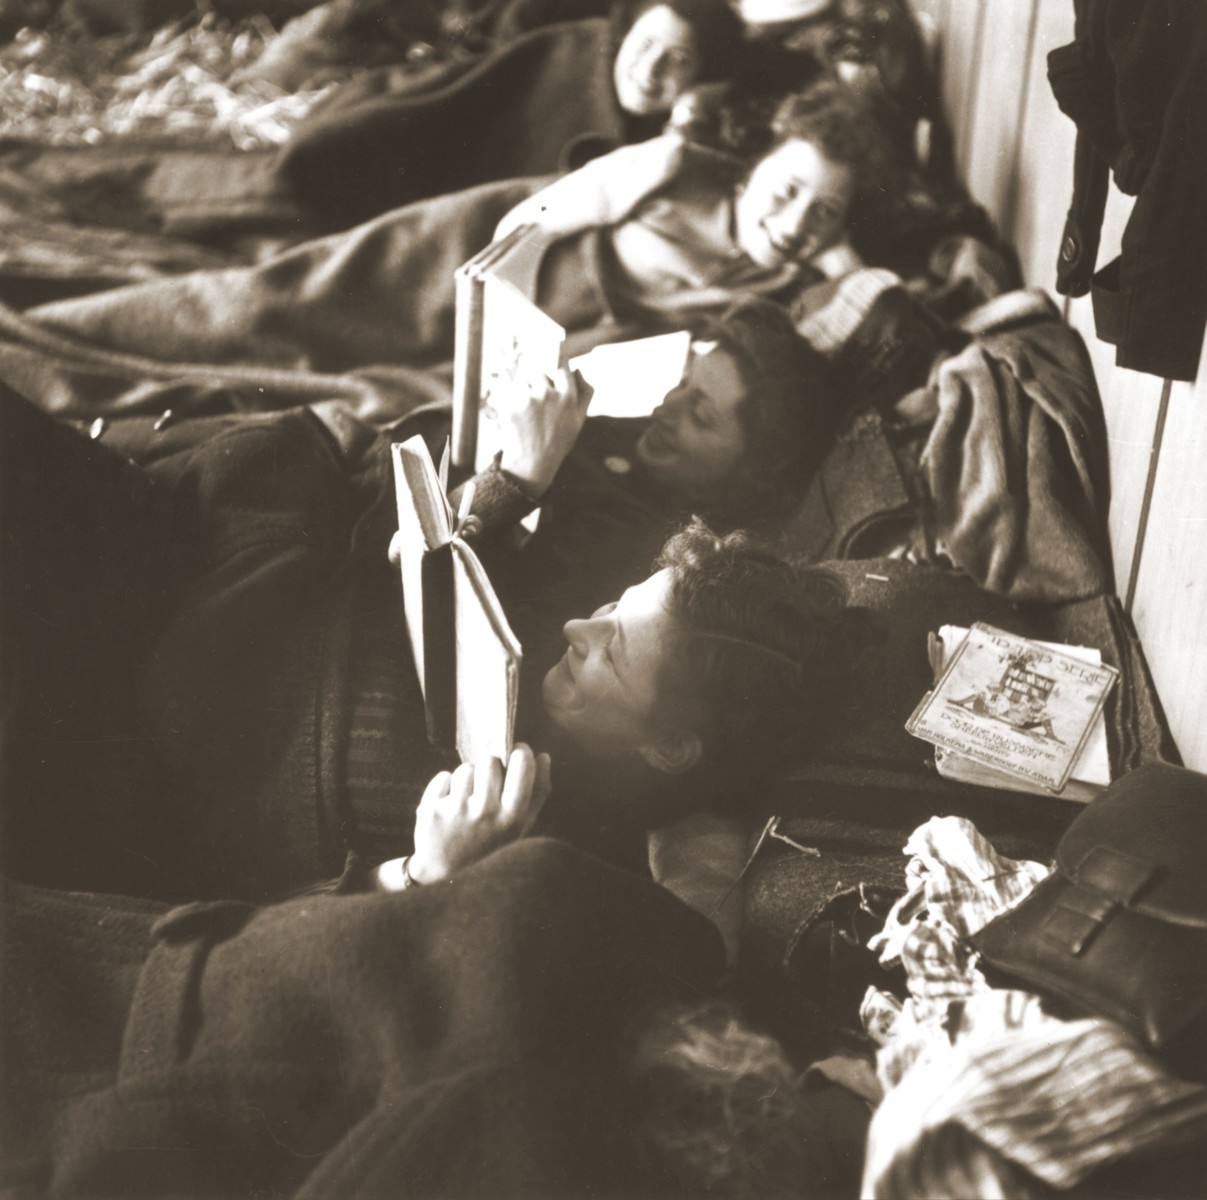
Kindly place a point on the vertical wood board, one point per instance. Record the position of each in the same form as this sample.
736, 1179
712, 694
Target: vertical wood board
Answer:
1130, 403
993, 147
1043, 178
1170, 609
959, 59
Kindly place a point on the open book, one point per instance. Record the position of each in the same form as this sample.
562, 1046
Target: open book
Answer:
506, 345
1018, 714
466, 656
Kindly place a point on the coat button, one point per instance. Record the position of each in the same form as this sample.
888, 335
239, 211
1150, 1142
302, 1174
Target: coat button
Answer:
1069, 248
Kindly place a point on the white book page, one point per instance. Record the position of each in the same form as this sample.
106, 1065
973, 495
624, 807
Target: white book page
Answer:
424, 522
630, 379
488, 664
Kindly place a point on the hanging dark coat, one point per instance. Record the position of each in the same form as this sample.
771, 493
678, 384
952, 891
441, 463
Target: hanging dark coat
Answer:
1134, 79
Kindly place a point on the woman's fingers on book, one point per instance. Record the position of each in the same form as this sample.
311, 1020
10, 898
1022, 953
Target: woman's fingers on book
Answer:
583, 391
522, 791
437, 788
487, 791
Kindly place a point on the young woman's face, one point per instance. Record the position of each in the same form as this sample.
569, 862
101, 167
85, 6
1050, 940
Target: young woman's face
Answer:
794, 205
605, 691
695, 439
656, 63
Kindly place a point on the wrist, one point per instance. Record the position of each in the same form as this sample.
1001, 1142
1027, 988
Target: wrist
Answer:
420, 873
397, 875
532, 482
837, 260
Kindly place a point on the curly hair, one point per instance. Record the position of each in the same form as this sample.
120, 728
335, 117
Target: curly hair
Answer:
839, 122
788, 414
766, 651
716, 28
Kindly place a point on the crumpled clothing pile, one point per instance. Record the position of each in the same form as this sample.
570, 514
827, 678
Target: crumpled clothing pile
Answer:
985, 1091
62, 88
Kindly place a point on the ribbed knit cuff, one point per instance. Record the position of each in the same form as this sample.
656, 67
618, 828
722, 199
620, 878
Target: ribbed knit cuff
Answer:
499, 499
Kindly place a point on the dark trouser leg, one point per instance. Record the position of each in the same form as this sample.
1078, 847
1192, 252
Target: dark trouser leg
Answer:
81, 560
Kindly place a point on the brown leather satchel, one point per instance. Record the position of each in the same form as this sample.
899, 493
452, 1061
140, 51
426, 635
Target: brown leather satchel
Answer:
1119, 930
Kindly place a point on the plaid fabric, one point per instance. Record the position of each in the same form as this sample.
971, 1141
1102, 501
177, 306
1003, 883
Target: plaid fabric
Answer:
981, 1082
956, 882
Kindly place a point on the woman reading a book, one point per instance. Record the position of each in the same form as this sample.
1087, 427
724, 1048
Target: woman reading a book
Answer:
259, 714
737, 441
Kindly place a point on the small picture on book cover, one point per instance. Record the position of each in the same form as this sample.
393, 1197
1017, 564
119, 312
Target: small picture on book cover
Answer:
521, 347
1017, 705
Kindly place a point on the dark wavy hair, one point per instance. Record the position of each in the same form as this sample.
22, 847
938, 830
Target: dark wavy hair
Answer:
843, 124
767, 651
788, 415
717, 29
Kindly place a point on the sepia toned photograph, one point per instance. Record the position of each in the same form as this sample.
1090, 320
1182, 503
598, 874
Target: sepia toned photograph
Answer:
603, 599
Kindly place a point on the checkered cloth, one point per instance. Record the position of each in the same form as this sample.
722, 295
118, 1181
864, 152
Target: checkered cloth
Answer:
982, 1085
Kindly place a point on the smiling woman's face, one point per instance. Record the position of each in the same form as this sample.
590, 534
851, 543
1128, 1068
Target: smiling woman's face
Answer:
656, 63
794, 205
694, 439
605, 692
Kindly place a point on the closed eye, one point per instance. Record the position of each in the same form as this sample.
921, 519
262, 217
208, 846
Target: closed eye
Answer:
603, 612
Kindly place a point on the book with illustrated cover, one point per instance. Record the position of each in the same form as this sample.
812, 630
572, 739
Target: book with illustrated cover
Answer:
503, 341
506, 345
1092, 768
466, 656
1024, 708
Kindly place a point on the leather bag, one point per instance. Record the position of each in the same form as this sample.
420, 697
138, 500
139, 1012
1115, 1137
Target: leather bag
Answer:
1119, 930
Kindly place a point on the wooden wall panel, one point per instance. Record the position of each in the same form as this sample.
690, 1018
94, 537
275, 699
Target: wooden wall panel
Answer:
1043, 178
1020, 167
1130, 401
1170, 609
993, 145
959, 61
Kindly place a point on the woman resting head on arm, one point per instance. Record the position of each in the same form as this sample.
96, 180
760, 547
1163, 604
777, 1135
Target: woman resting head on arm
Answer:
814, 187
684, 225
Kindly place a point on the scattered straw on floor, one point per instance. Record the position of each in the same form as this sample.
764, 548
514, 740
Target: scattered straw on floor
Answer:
65, 89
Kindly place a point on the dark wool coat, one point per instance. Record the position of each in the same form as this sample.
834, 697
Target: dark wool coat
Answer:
1135, 82
185, 665
538, 105
457, 1040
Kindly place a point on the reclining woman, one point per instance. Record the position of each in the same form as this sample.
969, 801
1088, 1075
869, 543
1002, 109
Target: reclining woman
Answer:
533, 1027
272, 703
627, 238
737, 441
540, 104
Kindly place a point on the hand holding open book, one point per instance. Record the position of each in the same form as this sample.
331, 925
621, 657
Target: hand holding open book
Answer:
541, 426
507, 348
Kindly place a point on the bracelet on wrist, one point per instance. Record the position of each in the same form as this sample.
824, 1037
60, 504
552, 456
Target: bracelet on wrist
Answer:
408, 880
